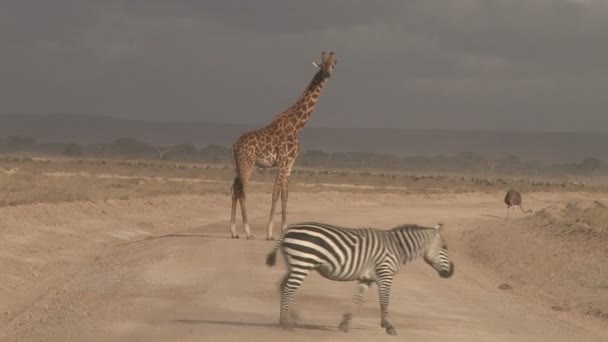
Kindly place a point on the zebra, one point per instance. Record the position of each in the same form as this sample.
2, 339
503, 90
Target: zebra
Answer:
365, 255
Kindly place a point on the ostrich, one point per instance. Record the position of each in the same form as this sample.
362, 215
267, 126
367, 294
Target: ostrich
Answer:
162, 151
512, 199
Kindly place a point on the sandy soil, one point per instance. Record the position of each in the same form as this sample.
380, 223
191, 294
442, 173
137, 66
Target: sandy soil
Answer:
162, 269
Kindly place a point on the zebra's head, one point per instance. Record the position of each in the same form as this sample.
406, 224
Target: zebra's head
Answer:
436, 253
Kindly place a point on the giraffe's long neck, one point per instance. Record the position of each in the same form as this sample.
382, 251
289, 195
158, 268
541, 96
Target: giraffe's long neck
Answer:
300, 112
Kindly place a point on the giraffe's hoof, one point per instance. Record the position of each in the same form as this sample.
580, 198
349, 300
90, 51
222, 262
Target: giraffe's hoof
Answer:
234, 237
270, 237
250, 237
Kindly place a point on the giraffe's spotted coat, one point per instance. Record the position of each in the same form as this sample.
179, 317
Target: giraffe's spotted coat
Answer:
275, 145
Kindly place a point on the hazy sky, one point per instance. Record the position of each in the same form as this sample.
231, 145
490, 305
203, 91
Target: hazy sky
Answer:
464, 64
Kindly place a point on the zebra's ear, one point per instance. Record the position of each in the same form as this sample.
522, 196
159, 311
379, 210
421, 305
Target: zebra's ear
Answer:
439, 226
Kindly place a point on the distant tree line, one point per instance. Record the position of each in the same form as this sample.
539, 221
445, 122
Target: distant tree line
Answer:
119, 148
470, 162
463, 162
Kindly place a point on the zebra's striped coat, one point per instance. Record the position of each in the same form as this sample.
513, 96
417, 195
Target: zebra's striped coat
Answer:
364, 255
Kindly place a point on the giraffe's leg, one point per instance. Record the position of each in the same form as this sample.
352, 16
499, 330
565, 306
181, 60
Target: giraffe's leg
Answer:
290, 283
280, 187
235, 199
244, 179
285, 195
246, 228
360, 293
275, 196
384, 290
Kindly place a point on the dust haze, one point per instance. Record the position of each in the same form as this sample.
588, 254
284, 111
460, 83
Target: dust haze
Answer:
116, 120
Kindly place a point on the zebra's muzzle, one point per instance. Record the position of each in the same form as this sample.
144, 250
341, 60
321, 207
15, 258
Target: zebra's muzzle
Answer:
447, 273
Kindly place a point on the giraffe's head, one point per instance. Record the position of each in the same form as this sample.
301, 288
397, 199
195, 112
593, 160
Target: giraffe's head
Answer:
327, 64
436, 253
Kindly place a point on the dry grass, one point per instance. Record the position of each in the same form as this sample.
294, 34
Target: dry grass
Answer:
32, 180
558, 254
594, 214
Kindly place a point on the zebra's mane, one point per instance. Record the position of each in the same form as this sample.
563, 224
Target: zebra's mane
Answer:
406, 226
411, 227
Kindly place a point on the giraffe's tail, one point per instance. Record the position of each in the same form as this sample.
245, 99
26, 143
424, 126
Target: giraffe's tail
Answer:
237, 187
237, 190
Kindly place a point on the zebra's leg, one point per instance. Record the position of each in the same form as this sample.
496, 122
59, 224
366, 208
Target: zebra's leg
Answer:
290, 283
384, 291
360, 294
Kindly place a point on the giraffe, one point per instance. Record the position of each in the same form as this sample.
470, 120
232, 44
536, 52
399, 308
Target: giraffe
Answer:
275, 145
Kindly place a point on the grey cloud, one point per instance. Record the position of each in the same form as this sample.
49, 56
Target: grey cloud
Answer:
465, 64
563, 33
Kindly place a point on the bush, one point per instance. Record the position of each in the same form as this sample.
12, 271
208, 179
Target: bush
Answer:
72, 149
216, 153
130, 147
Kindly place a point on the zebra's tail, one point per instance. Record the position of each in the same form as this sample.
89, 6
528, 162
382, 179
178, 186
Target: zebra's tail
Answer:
271, 258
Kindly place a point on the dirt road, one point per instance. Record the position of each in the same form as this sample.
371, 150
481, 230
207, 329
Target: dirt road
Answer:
162, 269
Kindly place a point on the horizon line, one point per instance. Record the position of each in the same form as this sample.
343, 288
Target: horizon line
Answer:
260, 125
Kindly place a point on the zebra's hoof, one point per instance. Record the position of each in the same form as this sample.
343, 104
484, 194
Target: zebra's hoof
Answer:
234, 237
343, 327
270, 238
250, 237
288, 325
389, 328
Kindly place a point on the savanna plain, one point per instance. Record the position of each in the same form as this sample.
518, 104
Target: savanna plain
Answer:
131, 250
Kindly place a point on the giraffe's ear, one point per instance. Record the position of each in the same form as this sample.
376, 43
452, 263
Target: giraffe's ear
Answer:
316, 64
